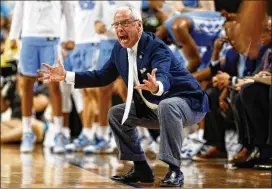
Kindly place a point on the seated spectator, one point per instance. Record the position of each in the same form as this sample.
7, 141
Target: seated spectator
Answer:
220, 118
251, 107
257, 144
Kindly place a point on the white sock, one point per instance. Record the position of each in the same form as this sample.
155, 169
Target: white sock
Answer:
143, 132
146, 133
27, 127
58, 123
98, 131
103, 132
88, 132
95, 126
140, 132
66, 132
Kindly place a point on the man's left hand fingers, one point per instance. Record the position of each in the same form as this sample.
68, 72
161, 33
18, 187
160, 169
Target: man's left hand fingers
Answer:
153, 73
146, 82
142, 86
151, 79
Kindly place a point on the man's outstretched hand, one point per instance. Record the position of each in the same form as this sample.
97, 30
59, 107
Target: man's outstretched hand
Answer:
53, 74
150, 84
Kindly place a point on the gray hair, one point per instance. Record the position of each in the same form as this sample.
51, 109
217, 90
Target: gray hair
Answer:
133, 12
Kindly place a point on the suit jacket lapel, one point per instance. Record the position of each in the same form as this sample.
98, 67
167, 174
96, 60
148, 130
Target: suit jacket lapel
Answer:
141, 50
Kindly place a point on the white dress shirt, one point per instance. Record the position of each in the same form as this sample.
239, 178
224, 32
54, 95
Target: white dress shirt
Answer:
136, 81
70, 78
41, 19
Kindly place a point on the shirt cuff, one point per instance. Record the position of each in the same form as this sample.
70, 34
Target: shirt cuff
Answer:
234, 80
70, 77
160, 91
215, 62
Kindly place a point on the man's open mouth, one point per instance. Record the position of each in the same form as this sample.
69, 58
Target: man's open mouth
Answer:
124, 38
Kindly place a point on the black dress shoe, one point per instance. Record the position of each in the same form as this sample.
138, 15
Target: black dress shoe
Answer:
249, 164
135, 176
255, 154
252, 159
265, 165
172, 179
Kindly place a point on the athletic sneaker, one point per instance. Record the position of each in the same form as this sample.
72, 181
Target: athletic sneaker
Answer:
59, 143
102, 146
192, 144
28, 140
79, 143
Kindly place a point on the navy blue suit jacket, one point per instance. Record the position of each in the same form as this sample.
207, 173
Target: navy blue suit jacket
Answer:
152, 53
232, 61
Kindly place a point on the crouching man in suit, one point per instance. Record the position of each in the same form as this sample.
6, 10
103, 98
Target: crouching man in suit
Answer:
161, 95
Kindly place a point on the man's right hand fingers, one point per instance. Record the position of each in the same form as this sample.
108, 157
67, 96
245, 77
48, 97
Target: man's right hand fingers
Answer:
47, 66
44, 78
60, 63
43, 71
46, 81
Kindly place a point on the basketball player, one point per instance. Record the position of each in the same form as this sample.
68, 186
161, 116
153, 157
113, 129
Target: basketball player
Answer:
39, 22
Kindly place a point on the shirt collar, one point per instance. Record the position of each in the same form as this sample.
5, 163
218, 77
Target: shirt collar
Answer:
135, 47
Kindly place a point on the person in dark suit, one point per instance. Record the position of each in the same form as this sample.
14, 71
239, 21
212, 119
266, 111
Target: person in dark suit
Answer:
167, 99
223, 71
251, 108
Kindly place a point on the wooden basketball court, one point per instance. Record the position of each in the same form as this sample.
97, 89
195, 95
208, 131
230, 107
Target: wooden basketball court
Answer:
42, 169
